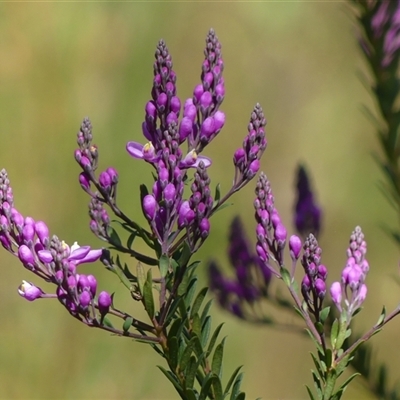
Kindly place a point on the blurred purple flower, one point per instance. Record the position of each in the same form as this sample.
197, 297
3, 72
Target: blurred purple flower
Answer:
307, 217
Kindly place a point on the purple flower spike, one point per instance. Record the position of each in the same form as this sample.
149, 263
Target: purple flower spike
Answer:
352, 286
247, 159
29, 291
252, 276
316, 275
307, 216
207, 97
271, 233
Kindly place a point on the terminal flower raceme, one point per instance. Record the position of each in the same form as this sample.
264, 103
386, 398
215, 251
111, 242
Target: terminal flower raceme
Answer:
349, 294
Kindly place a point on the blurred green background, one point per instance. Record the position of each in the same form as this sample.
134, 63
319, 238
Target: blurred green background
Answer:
63, 61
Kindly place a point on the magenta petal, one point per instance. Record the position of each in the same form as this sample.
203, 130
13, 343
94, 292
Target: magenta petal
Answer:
135, 149
92, 255
79, 254
45, 256
206, 161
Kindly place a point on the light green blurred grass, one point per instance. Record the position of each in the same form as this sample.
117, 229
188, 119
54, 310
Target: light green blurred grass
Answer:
63, 61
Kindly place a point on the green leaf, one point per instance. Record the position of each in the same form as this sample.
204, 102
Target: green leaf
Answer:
240, 396
171, 377
198, 302
217, 195
175, 329
318, 366
141, 277
148, 295
173, 350
285, 274
106, 322
190, 394
334, 333
163, 264
236, 386
330, 384
216, 364
190, 372
324, 314
341, 366
185, 255
191, 289
205, 312
310, 393
114, 238
127, 324
344, 385
183, 362
196, 325
381, 317
328, 358
205, 331
198, 349
317, 384
217, 388
205, 388
130, 240
231, 380
214, 338
172, 312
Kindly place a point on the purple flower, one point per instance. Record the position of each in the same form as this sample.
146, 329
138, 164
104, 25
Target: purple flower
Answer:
104, 302
252, 277
307, 216
271, 233
29, 291
352, 287
247, 158
75, 254
315, 275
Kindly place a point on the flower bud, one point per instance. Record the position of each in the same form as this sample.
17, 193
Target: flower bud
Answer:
204, 228
84, 299
26, 256
42, 232
149, 207
105, 181
29, 291
104, 302
294, 247
336, 293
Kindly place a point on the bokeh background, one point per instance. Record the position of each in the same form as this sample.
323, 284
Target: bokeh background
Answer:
63, 61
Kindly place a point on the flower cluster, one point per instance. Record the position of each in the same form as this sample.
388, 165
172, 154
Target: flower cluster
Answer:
251, 279
307, 214
385, 28
165, 207
313, 287
352, 290
271, 233
50, 259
